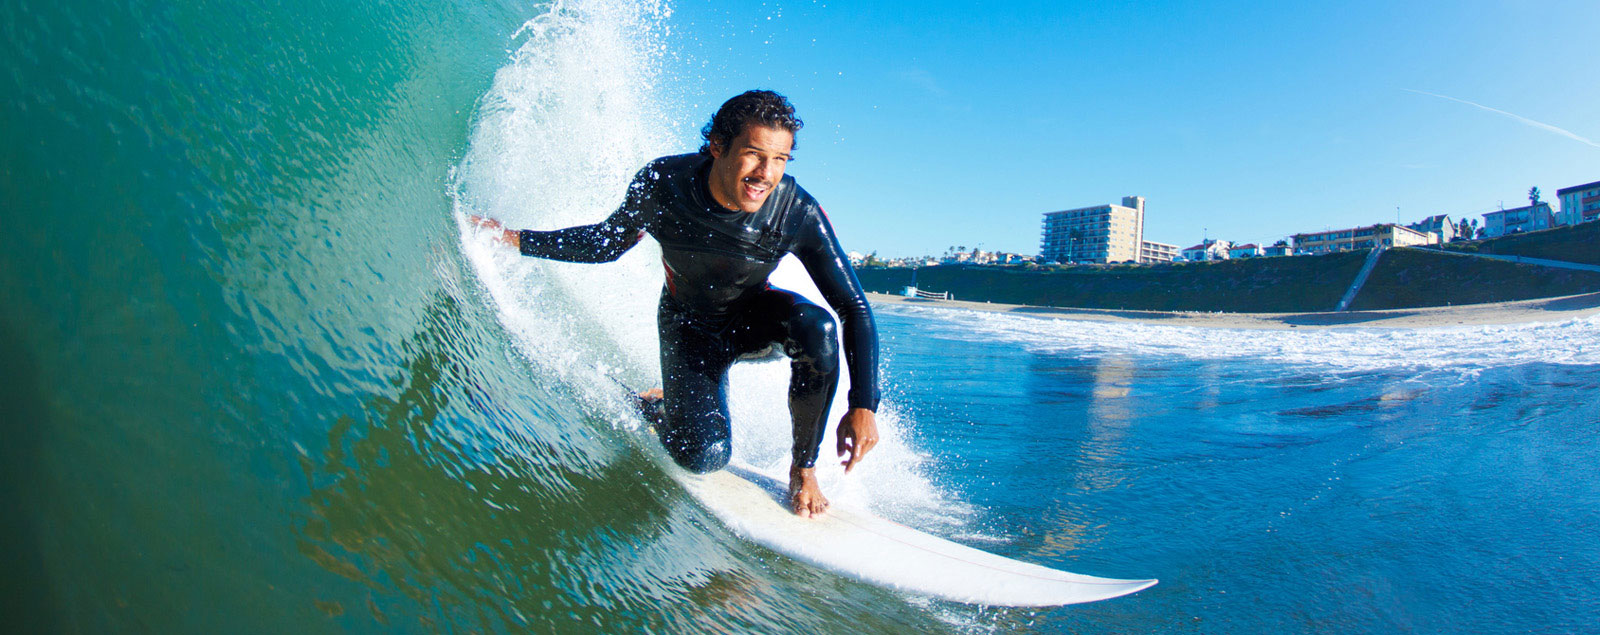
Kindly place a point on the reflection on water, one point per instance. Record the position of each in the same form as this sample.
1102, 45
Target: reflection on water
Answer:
1110, 412
1107, 412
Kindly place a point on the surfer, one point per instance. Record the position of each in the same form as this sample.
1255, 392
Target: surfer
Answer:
724, 217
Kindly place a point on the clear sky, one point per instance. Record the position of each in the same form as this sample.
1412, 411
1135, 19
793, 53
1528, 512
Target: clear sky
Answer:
931, 124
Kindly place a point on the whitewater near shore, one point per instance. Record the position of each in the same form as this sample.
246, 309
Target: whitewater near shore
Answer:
1525, 311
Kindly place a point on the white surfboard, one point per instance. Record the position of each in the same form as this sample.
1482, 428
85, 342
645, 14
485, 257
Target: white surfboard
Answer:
862, 546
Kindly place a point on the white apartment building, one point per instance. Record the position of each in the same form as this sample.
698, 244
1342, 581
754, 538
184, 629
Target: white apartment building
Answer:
1099, 234
1150, 251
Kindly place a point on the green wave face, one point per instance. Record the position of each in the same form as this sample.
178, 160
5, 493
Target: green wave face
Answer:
253, 384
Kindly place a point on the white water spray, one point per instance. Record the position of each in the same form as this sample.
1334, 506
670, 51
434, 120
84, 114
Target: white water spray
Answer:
569, 119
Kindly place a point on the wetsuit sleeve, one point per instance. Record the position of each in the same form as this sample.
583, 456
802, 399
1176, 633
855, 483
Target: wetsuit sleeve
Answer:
604, 241
818, 249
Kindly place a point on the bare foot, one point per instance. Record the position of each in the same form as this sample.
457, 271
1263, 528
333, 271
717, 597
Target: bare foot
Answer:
805, 496
650, 405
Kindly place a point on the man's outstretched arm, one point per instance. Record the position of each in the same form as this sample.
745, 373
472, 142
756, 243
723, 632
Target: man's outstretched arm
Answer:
601, 242
604, 241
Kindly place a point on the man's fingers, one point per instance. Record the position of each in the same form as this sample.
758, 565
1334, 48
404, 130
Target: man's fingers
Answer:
844, 442
858, 452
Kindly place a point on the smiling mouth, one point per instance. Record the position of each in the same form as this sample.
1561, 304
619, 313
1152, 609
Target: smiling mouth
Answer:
755, 189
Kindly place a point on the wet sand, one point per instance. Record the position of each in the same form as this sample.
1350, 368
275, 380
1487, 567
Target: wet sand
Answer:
1541, 310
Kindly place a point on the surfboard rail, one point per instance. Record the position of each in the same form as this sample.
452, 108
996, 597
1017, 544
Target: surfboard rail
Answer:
878, 551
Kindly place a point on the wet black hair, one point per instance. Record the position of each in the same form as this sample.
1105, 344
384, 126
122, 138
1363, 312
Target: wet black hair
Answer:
762, 107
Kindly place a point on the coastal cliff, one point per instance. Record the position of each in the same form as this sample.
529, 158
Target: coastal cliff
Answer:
1403, 278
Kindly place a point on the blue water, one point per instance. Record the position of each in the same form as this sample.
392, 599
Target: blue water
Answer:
1271, 497
257, 378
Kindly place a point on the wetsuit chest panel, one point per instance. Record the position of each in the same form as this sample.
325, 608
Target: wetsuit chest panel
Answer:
711, 283
714, 255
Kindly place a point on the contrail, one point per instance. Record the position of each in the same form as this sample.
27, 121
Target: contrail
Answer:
1536, 124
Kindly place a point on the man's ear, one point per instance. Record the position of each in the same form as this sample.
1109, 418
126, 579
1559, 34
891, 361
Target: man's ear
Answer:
716, 149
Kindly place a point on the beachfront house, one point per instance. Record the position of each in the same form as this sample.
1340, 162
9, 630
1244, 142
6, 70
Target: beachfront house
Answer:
1529, 218
1440, 225
1249, 250
1207, 250
1369, 237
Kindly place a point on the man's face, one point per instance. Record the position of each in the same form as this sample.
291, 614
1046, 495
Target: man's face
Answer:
744, 173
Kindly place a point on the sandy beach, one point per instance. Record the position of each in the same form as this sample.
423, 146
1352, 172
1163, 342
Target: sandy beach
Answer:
1541, 310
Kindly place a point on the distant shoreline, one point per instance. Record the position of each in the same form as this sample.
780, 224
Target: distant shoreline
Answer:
1523, 311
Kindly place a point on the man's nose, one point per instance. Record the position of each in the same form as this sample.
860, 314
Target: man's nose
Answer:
764, 169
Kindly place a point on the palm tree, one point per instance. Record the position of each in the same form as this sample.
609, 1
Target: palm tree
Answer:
1533, 196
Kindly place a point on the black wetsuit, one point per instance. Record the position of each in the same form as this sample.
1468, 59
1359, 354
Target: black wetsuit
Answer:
717, 306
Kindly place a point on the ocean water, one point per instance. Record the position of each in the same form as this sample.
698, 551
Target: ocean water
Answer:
259, 378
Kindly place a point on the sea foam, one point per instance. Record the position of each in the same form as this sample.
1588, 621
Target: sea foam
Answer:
1466, 348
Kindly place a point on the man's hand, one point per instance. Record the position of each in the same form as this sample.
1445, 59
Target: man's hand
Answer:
506, 236
858, 434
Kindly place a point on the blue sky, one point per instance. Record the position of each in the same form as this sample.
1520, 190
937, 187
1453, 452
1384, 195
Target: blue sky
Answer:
931, 124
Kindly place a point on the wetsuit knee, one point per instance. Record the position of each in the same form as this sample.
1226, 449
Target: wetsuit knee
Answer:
693, 451
703, 459
813, 338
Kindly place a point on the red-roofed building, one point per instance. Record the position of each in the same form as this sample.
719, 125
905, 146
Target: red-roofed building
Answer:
1579, 203
1208, 250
